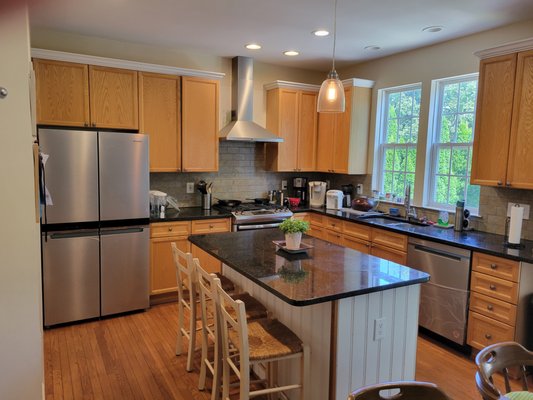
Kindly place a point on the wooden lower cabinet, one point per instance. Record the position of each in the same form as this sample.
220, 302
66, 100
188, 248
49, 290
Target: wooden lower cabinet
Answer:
163, 271
484, 331
207, 261
362, 246
390, 254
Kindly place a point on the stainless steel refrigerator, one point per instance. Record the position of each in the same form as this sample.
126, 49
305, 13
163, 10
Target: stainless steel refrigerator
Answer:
95, 223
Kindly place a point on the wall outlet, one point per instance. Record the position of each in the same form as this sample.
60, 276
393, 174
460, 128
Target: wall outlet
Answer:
190, 187
359, 189
379, 328
283, 185
526, 210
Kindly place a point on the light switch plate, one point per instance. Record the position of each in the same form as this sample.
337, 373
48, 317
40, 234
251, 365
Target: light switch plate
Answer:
379, 328
283, 185
526, 209
190, 187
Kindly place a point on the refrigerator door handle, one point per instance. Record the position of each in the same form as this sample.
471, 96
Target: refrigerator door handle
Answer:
73, 234
119, 231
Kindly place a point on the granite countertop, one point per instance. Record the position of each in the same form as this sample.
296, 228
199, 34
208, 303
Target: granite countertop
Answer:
472, 240
326, 272
188, 213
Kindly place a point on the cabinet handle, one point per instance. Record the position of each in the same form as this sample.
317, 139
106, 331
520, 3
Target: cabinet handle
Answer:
94, 124
507, 183
499, 183
170, 229
488, 336
211, 226
493, 266
86, 124
490, 307
368, 245
492, 287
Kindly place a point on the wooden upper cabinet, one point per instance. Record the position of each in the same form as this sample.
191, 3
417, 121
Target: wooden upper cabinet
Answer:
520, 162
199, 124
291, 114
62, 92
343, 137
159, 117
493, 120
114, 98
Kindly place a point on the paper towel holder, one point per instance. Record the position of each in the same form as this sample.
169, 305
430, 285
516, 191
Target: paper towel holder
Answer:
506, 237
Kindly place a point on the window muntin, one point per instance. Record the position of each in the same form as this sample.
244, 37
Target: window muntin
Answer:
398, 138
451, 135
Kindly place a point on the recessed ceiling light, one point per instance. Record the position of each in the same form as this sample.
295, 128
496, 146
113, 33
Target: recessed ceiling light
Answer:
372, 47
321, 32
253, 46
291, 53
433, 29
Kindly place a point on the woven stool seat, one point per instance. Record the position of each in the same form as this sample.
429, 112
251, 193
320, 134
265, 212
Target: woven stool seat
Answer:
254, 308
268, 338
226, 283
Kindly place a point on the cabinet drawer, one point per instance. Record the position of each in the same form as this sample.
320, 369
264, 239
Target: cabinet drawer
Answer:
494, 287
496, 266
484, 331
354, 243
333, 224
316, 231
301, 217
357, 230
493, 308
162, 229
390, 239
386, 253
333, 237
211, 226
317, 219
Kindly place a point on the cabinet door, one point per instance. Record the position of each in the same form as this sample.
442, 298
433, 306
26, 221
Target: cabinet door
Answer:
159, 97
114, 98
356, 244
162, 269
341, 137
199, 124
399, 257
307, 133
207, 261
62, 91
520, 163
325, 142
493, 120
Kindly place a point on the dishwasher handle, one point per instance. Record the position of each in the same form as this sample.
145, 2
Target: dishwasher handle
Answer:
438, 252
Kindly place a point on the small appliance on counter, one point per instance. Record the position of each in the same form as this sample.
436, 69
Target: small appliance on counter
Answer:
317, 193
347, 190
299, 187
334, 199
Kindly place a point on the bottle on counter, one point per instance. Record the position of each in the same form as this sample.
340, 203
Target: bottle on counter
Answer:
459, 215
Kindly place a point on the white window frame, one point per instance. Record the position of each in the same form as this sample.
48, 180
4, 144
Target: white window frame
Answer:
434, 125
381, 132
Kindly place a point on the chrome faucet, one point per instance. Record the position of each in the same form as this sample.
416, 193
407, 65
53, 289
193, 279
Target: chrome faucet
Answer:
407, 202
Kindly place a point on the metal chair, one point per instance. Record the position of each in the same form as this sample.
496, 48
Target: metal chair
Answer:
406, 390
509, 358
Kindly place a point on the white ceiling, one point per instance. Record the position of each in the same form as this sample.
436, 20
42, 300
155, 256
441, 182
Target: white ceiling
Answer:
223, 27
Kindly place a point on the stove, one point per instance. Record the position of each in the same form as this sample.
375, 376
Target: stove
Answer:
249, 216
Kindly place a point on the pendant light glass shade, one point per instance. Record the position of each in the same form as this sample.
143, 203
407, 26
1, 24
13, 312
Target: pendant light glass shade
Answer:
331, 96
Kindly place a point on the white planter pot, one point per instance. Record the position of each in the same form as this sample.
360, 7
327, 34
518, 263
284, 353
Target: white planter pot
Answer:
293, 240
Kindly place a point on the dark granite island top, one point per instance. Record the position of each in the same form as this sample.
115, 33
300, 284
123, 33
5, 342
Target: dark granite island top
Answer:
326, 272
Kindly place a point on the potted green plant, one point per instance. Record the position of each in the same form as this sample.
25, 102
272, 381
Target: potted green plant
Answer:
293, 229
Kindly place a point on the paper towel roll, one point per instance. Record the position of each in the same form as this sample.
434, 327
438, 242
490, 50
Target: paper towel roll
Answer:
515, 227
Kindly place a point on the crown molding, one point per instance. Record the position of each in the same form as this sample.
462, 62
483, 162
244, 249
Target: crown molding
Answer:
358, 82
125, 64
291, 85
506, 48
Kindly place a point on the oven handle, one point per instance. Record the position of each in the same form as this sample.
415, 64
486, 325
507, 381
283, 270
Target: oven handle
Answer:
257, 226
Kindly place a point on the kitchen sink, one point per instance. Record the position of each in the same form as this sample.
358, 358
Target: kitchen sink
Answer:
394, 221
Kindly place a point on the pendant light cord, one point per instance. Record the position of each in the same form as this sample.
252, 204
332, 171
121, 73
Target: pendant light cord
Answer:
334, 33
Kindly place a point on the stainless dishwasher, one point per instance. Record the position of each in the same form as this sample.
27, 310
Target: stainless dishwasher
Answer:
444, 299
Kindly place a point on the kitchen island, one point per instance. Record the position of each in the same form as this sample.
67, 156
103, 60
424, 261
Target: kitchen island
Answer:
358, 313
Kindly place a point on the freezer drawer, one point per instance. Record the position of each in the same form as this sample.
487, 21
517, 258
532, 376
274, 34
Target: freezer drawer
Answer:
125, 264
71, 276
124, 176
70, 175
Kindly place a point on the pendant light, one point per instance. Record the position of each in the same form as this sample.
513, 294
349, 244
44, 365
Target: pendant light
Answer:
331, 95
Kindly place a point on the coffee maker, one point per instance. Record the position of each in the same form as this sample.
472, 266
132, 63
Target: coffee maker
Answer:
317, 193
299, 188
347, 190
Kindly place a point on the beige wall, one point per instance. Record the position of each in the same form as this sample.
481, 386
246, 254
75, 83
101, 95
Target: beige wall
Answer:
183, 58
21, 358
447, 59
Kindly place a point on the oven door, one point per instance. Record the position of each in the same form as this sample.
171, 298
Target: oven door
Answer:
248, 226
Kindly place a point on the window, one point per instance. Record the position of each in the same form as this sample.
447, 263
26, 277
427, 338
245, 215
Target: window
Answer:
450, 138
398, 137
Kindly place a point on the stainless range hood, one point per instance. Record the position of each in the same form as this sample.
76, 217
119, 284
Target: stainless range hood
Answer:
242, 88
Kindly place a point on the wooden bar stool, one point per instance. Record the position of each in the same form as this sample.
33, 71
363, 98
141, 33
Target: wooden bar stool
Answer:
207, 284
262, 341
407, 390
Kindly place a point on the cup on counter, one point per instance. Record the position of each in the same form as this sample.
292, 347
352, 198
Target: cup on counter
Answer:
206, 201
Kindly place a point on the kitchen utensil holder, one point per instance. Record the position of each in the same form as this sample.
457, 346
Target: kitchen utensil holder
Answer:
206, 201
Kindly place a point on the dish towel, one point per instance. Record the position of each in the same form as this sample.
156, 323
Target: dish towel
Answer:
519, 396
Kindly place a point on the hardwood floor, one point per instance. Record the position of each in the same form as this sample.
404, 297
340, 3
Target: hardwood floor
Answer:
132, 357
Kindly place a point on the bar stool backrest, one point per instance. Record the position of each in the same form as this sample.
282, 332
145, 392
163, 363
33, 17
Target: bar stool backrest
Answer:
404, 390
